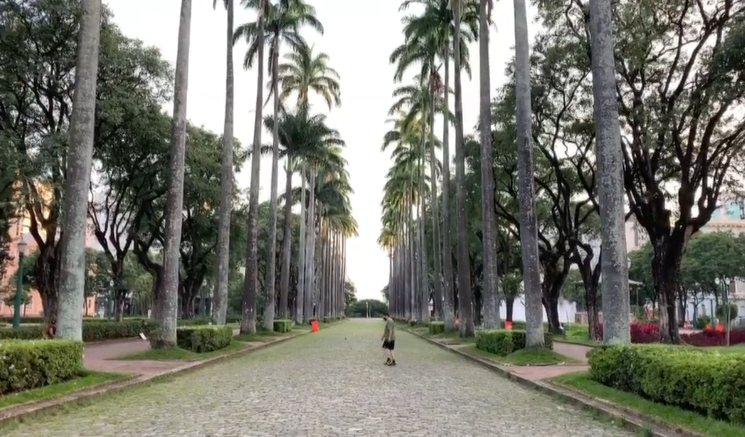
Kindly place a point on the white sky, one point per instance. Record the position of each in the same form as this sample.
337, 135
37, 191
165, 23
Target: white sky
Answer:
359, 38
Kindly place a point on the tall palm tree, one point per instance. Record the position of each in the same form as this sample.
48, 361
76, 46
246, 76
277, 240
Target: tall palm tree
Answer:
464, 269
283, 22
254, 33
304, 71
80, 154
301, 73
220, 302
526, 188
166, 308
489, 289
610, 166
438, 21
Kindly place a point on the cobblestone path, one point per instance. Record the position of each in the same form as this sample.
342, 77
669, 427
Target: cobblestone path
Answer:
332, 383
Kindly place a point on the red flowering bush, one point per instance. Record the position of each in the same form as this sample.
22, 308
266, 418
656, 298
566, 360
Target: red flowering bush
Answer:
712, 338
641, 332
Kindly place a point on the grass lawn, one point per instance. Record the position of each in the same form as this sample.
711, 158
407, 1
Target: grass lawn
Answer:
576, 333
664, 413
85, 380
523, 357
262, 336
737, 349
178, 354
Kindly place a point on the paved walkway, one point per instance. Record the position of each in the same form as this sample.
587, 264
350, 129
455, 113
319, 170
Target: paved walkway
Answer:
329, 384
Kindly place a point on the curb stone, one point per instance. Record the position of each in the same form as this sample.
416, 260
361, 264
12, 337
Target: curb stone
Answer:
25, 410
630, 419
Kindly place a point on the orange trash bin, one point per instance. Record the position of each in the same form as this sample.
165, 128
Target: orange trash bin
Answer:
314, 325
507, 324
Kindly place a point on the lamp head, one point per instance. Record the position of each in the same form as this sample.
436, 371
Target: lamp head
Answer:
22, 248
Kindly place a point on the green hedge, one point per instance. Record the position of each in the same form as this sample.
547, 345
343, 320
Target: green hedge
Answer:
25, 365
92, 330
688, 378
282, 325
505, 341
204, 338
436, 327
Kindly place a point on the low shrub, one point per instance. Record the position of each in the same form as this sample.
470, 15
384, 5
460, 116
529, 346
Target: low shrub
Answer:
201, 321
233, 319
283, 325
701, 322
327, 320
25, 365
708, 383
436, 328
412, 322
22, 333
202, 339
505, 341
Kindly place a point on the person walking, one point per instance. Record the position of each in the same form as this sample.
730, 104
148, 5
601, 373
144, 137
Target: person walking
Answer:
389, 339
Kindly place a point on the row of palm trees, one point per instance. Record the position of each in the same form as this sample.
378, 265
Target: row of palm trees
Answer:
434, 38
311, 150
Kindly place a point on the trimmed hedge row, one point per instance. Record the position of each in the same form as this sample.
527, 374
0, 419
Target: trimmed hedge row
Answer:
204, 338
283, 325
92, 331
691, 379
505, 341
25, 365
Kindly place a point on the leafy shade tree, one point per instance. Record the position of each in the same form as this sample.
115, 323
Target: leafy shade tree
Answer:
43, 35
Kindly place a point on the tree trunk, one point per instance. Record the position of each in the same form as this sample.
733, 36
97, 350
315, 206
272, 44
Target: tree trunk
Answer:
610, 172
300, 315
220, 303
509, 304
666, 269
165, 335
271, 271
77, 182
464, 269
489, 289
284, 286
423, 315
120, 296
526, 188
434, 210
448, 305
310, 248
248, 321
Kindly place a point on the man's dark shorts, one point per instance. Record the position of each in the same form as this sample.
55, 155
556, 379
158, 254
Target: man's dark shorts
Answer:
390, 345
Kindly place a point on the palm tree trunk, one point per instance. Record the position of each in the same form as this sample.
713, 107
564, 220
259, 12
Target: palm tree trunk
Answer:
446, 253
250, 286
464, 269
300, 315
220, 303
526, 189
436, 254
73, 268
166, 333
424, 276
489, 290
614, 263
310, 247
271, 262
284, 286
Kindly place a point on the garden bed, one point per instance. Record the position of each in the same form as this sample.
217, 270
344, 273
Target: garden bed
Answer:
670, 416
84, 379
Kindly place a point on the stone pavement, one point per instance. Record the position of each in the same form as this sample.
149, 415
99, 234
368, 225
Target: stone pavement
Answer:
332, 383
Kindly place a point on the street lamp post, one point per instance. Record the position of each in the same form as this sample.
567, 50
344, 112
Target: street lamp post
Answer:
19, 286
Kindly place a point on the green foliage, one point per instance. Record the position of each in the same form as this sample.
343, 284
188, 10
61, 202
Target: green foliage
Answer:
436, 328
702, 321
284, 325
688, 378
32, 364
360, 308
721, 312
202, 339
505, 341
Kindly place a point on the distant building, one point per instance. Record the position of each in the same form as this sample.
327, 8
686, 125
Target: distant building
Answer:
19, 232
